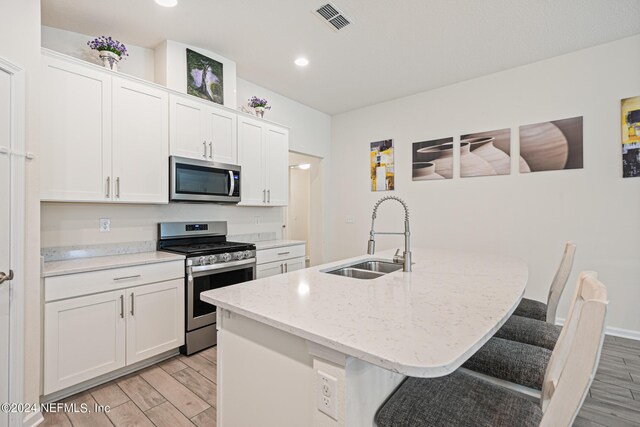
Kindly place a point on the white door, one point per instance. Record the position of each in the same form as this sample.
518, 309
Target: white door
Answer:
224, 148
5, 230
75, 153
83, 338
189, 136
277, 148
250, 156
155, 319
140, 143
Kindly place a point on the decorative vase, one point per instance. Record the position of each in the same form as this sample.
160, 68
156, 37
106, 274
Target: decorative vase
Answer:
109, 60
424, 171
259, 111
484, 148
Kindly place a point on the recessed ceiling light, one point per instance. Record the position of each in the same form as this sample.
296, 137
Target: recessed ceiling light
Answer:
167, 3
302, 62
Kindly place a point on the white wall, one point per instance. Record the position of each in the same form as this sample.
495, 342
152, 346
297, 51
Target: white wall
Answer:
528, 216
20, 33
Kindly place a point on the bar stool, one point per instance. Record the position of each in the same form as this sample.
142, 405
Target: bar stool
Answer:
462, 400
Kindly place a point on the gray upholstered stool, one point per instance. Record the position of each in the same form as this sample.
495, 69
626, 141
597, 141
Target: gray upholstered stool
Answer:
530, 331
458, 400
511, 361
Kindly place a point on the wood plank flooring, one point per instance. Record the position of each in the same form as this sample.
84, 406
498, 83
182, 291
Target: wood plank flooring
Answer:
182, 392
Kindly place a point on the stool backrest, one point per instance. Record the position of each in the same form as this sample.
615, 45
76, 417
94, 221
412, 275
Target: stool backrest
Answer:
574, 360
560, 281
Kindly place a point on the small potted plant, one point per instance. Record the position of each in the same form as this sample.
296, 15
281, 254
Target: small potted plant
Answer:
111, 51
259, 105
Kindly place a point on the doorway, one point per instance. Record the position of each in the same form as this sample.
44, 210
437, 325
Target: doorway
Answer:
303, 215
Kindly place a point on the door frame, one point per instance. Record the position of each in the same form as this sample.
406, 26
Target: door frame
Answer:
17, 155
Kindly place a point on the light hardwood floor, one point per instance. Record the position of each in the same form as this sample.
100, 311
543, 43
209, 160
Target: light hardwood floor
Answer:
182, 392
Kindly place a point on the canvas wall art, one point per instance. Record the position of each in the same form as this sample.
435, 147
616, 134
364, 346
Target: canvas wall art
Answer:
630, 137
549, 146
485, 153
382, 168
432, 159
204, 77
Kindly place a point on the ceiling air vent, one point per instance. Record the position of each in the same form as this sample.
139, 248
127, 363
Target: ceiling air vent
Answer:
332, 16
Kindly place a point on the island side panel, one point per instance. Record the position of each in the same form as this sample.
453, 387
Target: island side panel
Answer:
265, 376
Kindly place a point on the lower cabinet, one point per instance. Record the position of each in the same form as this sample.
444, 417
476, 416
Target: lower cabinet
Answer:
279, 267
89, 336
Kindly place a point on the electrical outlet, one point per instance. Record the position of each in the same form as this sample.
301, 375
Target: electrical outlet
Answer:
105, 225
350, 219
328, 395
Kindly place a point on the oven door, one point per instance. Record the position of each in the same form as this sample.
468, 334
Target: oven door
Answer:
202, 181
205, 278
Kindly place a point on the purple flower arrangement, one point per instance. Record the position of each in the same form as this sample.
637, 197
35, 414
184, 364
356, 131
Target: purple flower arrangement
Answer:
257, 102
109, 44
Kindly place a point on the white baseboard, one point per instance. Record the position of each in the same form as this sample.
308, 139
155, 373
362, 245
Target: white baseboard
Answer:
616, 332
33, 419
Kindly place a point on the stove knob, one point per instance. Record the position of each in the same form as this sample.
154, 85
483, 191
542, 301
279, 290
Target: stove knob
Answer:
201, 260
238, 255
212, 259
248, 254
225, 257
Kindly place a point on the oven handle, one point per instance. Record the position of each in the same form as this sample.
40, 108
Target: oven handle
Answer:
233, 183
201, 268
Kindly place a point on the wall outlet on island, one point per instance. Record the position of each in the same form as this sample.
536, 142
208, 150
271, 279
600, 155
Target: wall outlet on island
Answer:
350, 219
105, 225
327, 395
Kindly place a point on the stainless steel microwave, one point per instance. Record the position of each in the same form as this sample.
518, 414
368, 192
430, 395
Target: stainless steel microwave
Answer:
202, 181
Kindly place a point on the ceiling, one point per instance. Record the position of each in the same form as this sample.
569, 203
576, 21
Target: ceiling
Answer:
392, 49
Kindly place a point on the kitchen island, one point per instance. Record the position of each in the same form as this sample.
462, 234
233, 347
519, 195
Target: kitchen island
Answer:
276, 334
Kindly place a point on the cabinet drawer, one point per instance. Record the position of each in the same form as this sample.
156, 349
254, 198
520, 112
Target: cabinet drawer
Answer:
279, 254
73, 285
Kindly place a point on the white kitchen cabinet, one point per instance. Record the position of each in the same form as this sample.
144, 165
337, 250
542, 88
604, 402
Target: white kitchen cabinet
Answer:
279, 267
295, 264
202, 131
75, 151
280, 259
104, 138
263, 153
155, 319
140, 143
84, 338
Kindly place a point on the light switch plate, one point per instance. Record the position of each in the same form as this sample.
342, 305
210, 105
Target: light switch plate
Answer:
105, 225
350, 219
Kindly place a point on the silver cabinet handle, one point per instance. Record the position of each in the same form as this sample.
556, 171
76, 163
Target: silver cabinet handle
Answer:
281, 268
118, 187
204, 145
122, 306
137, 276
211, 150
108, 194
133, 304
284, 253
268, 196
264, 196
6, 277
286, 267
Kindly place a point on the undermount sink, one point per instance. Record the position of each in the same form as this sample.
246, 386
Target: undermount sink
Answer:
367, 269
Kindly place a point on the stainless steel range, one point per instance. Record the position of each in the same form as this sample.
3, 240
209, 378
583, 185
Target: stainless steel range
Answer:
212, 262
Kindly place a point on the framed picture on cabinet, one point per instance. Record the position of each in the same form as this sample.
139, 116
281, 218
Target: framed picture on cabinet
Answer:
204, 77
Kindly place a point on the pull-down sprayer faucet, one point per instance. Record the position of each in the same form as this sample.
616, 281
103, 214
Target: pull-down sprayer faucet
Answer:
405, 259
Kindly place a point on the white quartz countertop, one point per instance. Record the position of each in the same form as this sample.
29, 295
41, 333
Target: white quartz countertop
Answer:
270, 244
423, 324
80, 265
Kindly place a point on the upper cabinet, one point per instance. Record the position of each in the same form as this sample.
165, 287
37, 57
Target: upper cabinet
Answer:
104, 138
263, 151
200, 130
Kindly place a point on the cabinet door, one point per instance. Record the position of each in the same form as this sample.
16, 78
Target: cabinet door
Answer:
155, 319
140, 143
224, 147
295, 264
189, 134
269, 269
277, 166
83, 338
75, 122
250, 157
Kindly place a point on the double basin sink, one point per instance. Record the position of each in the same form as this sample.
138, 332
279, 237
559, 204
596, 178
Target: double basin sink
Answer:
366, 269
